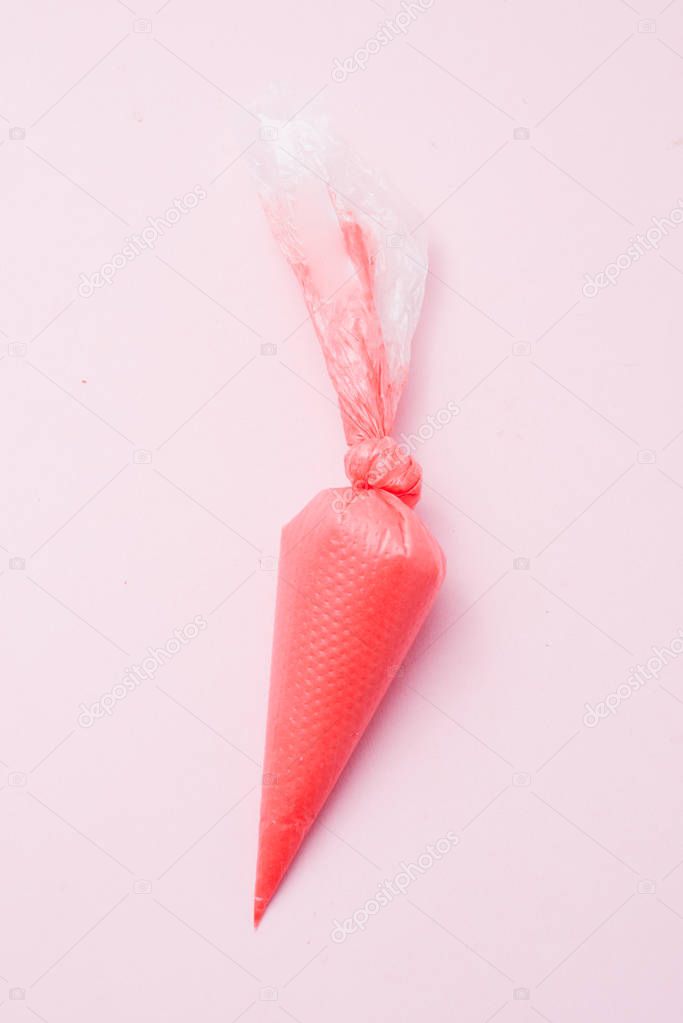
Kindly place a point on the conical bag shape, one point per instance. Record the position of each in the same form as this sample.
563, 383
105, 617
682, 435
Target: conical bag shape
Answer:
356, 579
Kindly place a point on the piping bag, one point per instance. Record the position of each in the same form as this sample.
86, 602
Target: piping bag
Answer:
358, 570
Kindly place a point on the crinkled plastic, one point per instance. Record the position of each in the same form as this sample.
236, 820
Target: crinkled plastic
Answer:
358, 570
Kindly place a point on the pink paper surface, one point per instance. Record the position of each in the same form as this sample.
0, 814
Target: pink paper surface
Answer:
158, 432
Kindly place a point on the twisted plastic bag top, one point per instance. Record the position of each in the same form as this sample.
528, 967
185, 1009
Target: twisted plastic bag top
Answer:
337, 221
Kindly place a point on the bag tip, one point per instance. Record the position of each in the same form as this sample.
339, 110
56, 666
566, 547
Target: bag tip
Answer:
260, 905
258, 914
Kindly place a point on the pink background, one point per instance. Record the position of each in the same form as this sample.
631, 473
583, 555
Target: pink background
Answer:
563, 900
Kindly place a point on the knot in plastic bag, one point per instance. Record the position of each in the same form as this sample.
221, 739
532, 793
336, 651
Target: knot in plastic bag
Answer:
381, 463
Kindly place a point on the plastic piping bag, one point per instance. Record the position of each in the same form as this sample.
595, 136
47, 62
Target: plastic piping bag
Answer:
358, 570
